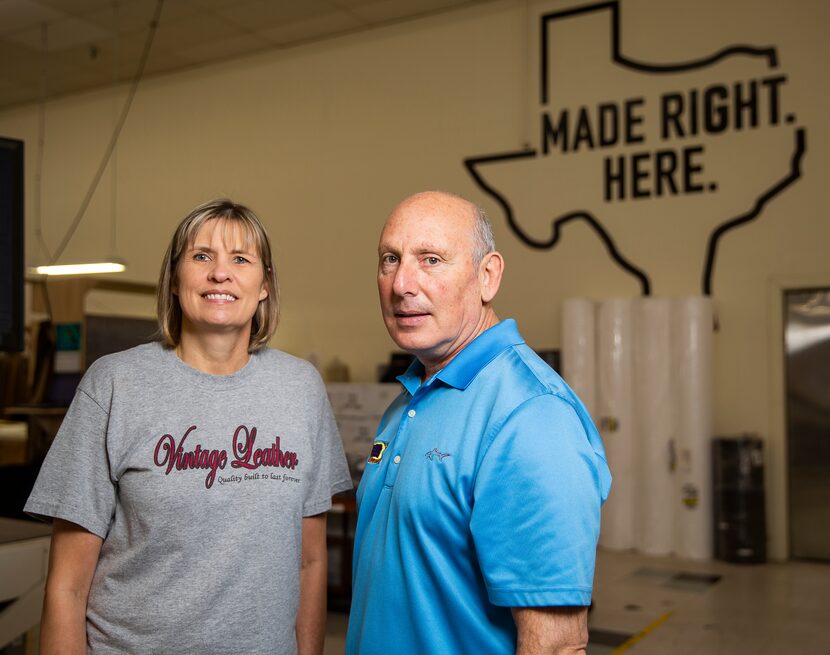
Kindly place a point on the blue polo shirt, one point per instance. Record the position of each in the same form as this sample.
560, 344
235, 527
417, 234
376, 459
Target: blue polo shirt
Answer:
482, 493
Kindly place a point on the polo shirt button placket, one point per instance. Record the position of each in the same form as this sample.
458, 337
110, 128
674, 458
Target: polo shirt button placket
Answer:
400, 443
411, 414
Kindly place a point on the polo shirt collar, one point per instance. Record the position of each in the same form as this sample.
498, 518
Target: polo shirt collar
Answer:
475, 356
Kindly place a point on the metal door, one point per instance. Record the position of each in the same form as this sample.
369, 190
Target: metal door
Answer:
807, 341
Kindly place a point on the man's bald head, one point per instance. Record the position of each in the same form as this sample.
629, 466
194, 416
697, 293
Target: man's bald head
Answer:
445, 203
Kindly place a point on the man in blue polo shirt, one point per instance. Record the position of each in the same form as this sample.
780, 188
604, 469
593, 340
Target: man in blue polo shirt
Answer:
479, 509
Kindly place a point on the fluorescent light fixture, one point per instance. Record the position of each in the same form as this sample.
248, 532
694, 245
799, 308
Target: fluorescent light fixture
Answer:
81, 269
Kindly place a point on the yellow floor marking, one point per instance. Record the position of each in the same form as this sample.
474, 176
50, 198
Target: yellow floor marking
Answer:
633, 639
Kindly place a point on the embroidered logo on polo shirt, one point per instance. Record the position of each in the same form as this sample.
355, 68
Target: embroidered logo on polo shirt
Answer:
377, 452
436, 455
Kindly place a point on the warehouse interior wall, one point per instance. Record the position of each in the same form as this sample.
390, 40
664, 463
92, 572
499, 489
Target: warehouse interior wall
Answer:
323, 139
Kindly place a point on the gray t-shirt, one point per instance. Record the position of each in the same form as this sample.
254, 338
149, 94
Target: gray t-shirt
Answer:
198, 485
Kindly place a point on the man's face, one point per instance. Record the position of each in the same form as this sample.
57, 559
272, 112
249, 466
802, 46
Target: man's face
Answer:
430, 292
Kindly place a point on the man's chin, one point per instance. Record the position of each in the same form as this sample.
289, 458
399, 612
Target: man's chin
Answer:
407, 338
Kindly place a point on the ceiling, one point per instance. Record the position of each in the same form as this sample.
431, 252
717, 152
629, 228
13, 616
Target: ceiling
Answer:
50, 48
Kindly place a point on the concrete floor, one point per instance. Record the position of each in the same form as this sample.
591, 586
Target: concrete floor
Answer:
667, 606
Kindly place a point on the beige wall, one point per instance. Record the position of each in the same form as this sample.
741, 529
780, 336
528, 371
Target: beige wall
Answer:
322, 140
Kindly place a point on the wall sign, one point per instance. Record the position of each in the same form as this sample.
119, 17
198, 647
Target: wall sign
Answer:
652, 144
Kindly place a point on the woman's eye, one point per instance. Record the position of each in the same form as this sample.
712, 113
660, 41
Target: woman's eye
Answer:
200, 257
239, 259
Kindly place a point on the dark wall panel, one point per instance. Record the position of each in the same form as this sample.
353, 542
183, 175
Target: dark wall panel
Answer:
11, 245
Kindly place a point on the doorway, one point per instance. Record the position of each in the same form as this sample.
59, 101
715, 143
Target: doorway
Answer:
807, 353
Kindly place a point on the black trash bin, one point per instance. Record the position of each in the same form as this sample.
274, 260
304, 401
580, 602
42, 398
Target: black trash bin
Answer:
740, 509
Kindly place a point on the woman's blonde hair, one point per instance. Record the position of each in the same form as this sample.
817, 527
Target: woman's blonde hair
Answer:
169, 310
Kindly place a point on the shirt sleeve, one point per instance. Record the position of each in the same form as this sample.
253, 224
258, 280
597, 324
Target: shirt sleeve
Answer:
536, 512
329, 472
74, 482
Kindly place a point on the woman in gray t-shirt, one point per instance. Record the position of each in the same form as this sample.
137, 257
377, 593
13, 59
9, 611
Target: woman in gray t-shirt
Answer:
190, 479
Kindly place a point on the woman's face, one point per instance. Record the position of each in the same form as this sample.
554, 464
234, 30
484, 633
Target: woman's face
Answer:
220, 280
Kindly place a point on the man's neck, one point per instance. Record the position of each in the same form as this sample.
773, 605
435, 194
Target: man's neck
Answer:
431, 367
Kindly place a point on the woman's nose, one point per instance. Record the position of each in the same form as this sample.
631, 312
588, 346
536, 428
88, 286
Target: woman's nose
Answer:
220, 271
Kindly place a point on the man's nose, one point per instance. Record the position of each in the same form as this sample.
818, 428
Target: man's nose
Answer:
405, 281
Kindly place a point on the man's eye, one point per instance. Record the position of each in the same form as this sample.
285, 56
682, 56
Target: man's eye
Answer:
390, 259
432, 261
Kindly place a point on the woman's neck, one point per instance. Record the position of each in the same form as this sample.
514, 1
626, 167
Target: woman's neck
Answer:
217, 354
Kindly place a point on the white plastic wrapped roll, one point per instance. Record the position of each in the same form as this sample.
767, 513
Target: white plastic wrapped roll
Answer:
656, 426
615, 419
692, 358
579, 350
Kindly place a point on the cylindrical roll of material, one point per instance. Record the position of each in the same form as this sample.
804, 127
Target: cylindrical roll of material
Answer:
615, 418
654, 407
579, 350
692, 345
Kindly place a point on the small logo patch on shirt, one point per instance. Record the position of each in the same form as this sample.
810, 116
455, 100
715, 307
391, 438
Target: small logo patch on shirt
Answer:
377, 452
436, 454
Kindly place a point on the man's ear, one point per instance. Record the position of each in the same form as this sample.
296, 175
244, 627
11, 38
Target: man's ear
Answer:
489, 275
